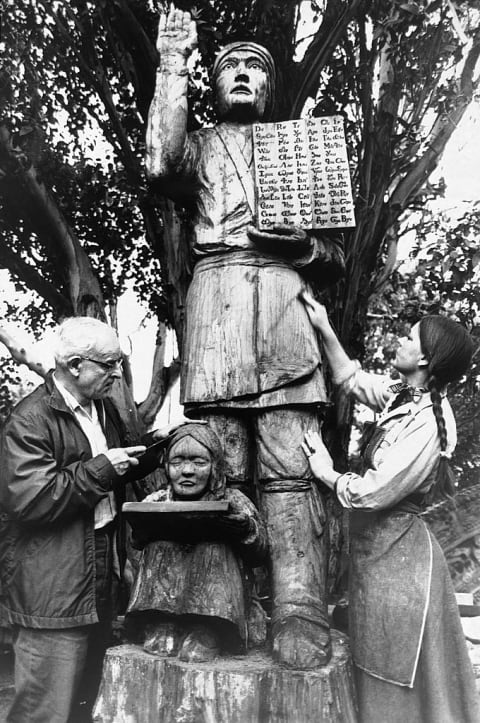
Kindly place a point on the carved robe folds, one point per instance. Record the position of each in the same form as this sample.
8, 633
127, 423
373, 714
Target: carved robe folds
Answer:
252, 368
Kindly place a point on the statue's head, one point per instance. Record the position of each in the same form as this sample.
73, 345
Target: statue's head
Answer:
244, 77
194, 463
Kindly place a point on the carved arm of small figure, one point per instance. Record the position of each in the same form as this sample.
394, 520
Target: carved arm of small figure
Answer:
167, 119
245, 529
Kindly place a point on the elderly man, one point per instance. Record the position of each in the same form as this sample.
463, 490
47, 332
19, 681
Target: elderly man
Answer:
251, 361
64, 467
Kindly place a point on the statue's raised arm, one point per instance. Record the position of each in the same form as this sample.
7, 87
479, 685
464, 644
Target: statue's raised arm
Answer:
167, 119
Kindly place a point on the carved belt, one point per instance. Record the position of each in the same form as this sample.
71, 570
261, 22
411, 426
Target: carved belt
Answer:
239, 257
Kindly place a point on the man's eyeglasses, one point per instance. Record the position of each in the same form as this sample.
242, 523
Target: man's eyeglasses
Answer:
109, 366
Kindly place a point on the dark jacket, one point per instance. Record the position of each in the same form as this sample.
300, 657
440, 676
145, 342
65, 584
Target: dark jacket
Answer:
49, 486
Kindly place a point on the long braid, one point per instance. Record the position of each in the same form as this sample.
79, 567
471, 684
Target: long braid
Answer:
445, 484
437, 410
448, 348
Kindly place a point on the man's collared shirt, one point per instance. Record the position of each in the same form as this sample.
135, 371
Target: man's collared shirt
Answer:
105, 510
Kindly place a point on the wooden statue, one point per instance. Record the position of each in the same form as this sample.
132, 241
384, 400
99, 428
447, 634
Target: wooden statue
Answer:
251, 360
193, 599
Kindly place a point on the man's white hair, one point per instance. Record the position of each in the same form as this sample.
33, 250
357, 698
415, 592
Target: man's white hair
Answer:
79, 336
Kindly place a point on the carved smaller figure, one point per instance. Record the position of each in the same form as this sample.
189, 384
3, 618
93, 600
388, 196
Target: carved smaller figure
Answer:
194, 599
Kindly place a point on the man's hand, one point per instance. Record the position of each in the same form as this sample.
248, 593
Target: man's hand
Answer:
177, 33
156, 496
283, 239
164, 432
122, 458
317, 313
319, 459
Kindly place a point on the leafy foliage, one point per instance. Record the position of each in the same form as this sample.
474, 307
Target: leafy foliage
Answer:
12, 387
78, 218
442, 276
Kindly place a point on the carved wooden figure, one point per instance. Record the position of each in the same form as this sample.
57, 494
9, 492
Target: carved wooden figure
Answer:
251, 361
194, 598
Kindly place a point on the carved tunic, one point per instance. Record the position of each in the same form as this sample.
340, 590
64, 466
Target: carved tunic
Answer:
248, 339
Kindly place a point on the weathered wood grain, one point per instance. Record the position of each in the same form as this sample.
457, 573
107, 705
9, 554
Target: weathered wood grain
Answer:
141, 688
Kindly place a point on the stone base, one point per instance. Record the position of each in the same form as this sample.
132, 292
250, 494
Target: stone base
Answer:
138, 687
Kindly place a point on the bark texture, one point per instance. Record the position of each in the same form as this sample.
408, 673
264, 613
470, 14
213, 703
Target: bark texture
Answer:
140, 688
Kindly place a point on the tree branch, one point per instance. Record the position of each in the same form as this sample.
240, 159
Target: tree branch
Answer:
23, 354
442, 130
83, 287
92, 67
137, 48
33, 280
162, 379
319, 51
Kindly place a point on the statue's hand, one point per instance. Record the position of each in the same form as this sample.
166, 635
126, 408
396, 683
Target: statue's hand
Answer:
236, 520
177, 33
282, 239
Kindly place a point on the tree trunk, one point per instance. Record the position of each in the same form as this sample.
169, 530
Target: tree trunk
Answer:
138, 687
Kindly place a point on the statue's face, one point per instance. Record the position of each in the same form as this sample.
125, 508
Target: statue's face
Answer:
189, 466
242, 87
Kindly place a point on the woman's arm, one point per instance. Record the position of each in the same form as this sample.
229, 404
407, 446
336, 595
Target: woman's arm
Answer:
370, 389
404, 467
340, 363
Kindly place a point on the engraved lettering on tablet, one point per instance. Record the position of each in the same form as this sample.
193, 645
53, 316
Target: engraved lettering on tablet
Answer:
301, 169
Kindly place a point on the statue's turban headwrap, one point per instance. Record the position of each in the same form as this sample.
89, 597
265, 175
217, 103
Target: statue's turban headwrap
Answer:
263, 55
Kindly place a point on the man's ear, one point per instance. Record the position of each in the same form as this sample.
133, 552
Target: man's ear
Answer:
423, 361
73, 365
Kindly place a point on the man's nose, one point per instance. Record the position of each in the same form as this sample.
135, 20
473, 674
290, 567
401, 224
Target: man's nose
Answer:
117, 372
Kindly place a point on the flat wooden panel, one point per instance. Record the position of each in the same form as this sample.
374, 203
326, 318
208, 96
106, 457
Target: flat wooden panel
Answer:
179, 521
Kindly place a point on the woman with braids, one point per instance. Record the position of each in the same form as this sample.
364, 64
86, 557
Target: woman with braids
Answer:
411, 660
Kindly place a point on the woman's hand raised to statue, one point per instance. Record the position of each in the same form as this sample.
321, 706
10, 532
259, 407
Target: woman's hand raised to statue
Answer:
282, 239
177, 33
317, 313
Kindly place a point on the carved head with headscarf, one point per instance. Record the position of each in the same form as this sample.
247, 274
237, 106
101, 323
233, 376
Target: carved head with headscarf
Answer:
206, 437
244, 77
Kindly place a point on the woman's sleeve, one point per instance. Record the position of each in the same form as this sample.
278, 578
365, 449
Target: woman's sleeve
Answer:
370, 389
403, 469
